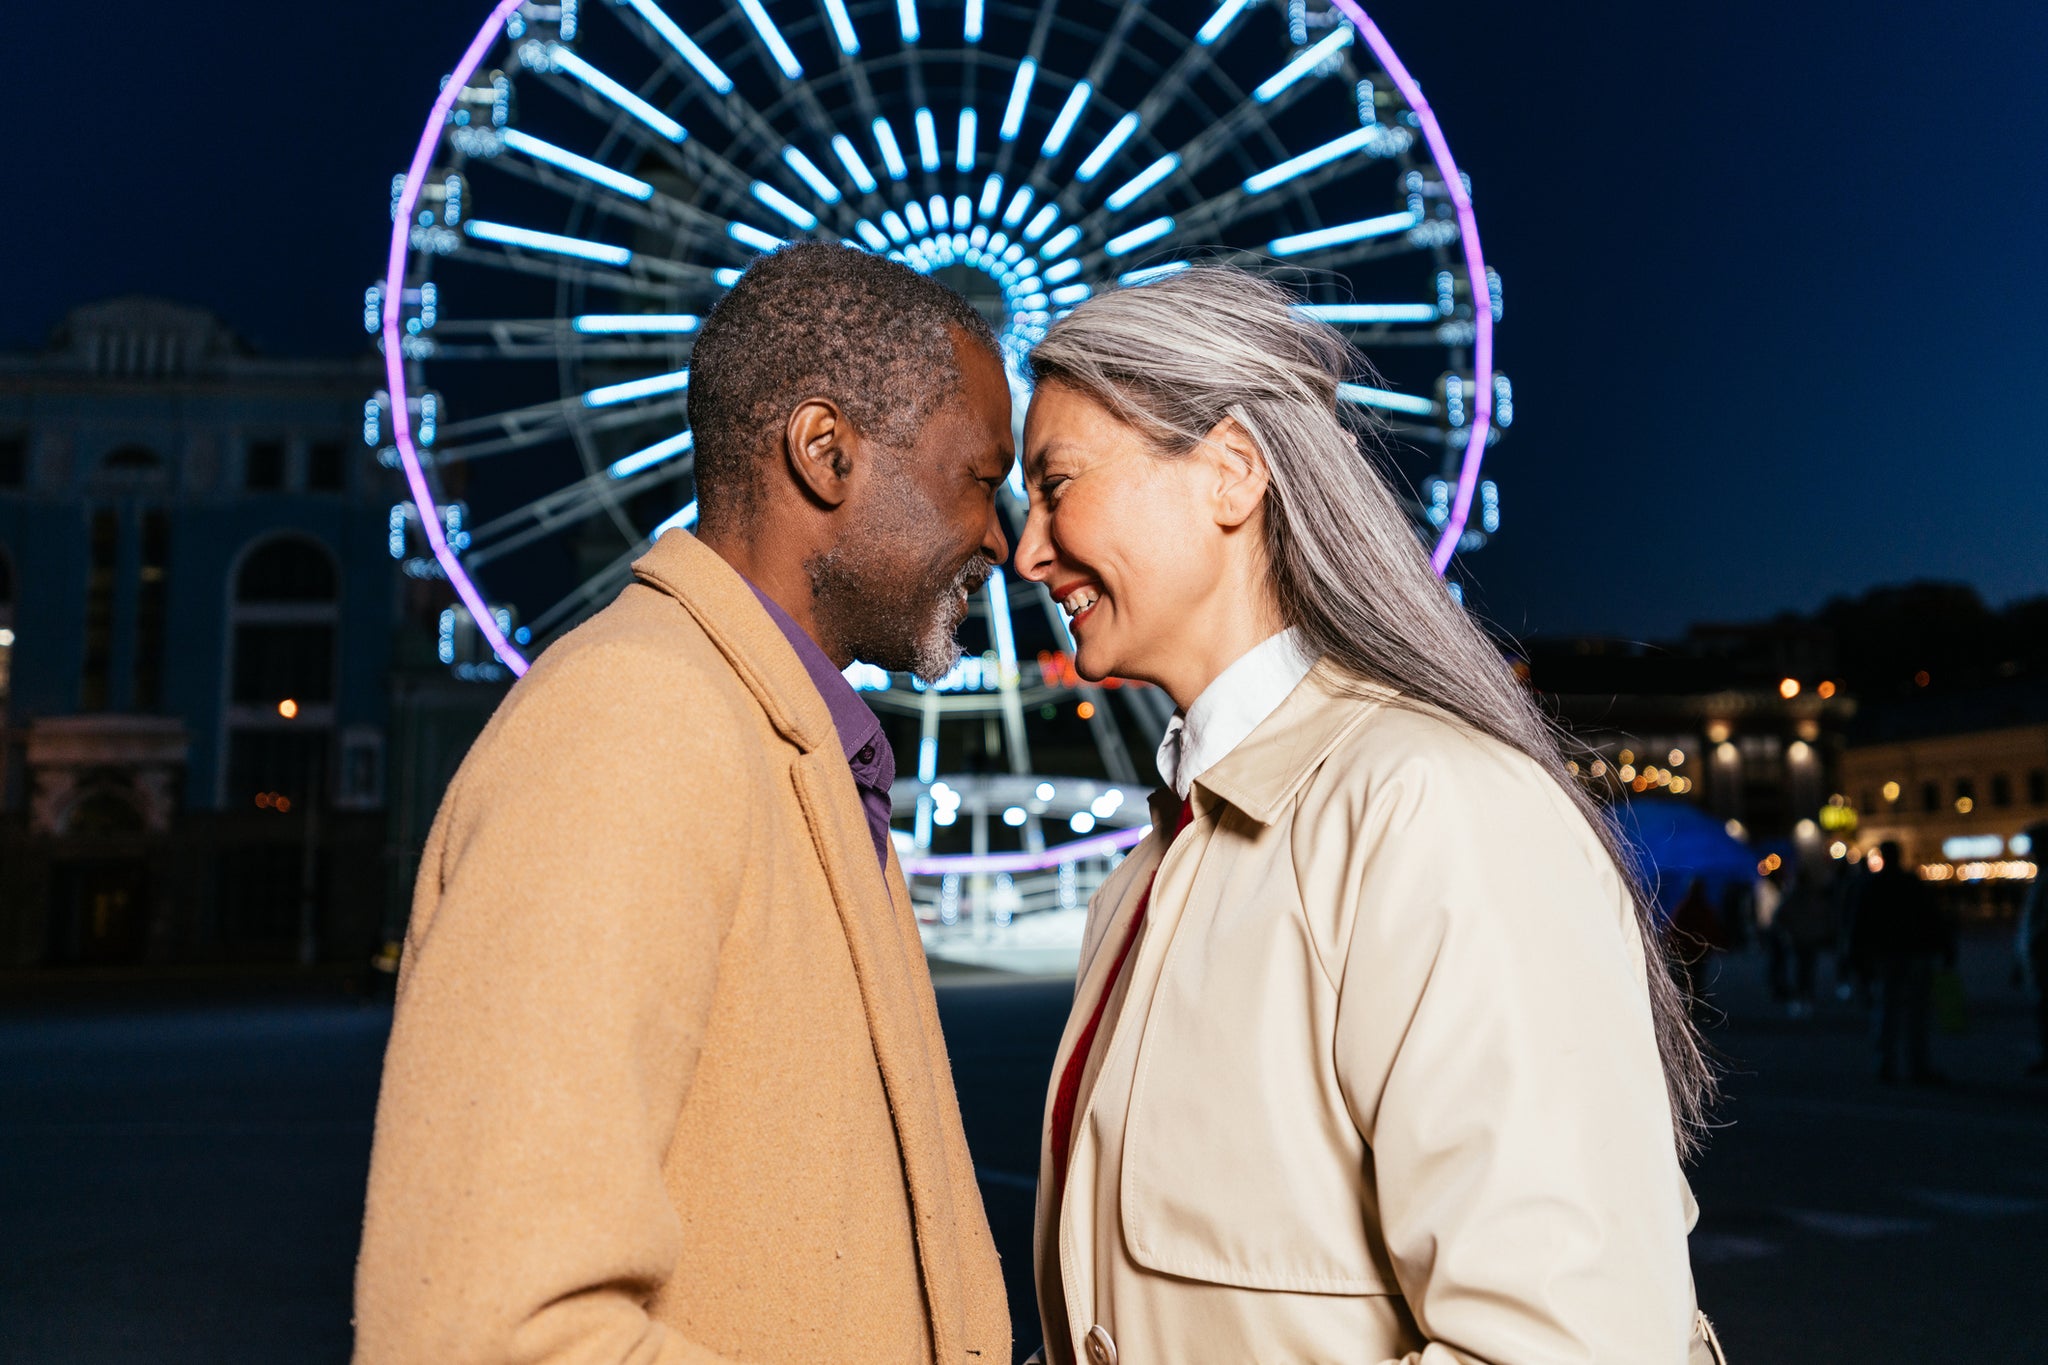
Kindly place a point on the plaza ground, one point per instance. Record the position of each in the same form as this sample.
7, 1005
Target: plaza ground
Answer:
181, 1181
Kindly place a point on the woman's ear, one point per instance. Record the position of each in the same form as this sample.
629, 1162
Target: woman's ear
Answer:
1242, 476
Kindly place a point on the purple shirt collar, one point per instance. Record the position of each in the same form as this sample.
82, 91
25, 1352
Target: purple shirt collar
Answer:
860, 730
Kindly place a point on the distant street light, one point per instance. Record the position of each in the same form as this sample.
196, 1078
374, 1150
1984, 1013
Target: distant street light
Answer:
288, 708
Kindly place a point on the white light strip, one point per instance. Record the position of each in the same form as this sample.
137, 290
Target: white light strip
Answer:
1310, 160
872, 235
659, 21
892, 155
562, 59
914, 212
963, 212
684, 519
748, 235
1065, 270
906, 19
895, 226
1386, 398
1041, 222
611, 324
1134, 189
595, 171
1070, 114
1151, 272
727, 276
784, 205
842, 27
927, 139
1020, 203
1369, 312
1069, 294
507, 235
808, 172
855, 167
970, 26
1020, 95
1225, 14
1138, 236
632, 464
633, 389
772, 36
991, 195
1062, 242
964, 157
1362, 230
1108, 147
1303, 65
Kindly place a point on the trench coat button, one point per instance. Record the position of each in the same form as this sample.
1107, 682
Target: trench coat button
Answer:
1101, 1350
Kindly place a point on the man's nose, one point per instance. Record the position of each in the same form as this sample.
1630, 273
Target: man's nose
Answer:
995, 544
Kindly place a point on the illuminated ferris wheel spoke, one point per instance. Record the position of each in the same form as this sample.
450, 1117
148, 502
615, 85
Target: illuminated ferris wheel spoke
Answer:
540, 423
545, 516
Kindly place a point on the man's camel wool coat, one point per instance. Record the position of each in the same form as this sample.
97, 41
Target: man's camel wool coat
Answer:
666, 1082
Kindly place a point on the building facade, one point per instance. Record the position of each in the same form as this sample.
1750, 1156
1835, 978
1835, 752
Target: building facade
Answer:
196, 623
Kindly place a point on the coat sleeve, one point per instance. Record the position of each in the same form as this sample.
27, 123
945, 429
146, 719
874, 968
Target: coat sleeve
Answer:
559, 974
1495, 1045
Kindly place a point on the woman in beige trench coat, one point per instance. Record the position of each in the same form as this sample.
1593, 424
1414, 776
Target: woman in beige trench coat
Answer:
1369, 1060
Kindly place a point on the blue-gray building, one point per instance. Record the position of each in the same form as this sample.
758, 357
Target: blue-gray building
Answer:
197, 614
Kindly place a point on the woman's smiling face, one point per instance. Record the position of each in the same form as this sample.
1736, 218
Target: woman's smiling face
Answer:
1126, 539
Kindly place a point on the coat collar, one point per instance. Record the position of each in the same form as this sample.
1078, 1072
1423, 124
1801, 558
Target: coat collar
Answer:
713, 592
1264, 772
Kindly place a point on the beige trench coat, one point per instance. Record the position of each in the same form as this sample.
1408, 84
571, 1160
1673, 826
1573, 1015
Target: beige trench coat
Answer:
1379, 1082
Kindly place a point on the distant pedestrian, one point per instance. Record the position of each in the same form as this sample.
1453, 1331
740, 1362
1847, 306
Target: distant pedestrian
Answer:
2033, 949
1697, 930
1768, 896
1898, 937
1805, 924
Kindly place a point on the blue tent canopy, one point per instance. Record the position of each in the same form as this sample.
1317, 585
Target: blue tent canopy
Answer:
1677, 841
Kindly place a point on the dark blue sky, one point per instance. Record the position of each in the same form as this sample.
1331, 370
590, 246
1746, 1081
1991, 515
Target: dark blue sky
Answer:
1774, 273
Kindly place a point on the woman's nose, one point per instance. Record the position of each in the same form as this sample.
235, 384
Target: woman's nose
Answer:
1034, 547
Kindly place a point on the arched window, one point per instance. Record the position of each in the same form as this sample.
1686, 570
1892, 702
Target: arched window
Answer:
282, 621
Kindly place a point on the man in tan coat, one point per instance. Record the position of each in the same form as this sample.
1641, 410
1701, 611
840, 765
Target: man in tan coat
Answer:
666, 1082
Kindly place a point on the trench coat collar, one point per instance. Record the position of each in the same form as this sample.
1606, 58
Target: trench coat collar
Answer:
713, 592
1264, 773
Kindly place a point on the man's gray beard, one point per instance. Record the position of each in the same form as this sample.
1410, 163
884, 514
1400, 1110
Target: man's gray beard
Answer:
938, 648
872, 622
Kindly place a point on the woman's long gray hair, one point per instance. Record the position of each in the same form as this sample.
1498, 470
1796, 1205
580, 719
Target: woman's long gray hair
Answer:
1176, 356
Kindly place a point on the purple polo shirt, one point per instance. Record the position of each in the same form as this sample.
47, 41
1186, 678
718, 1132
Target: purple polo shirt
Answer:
860, 730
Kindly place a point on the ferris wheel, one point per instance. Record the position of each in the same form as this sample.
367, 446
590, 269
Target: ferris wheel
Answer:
593, 176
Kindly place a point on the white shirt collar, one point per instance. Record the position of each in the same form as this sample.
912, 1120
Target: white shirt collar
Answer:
1231, 707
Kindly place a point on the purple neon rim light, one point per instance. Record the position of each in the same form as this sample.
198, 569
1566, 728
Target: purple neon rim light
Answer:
401, 234
1073, 851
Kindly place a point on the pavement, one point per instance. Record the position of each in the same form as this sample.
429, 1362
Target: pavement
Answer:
181, 1180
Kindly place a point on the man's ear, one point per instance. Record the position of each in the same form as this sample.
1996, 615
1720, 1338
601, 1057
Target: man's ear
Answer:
820, 445
1241, 474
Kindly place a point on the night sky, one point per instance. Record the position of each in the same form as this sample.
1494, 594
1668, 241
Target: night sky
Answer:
1774, 272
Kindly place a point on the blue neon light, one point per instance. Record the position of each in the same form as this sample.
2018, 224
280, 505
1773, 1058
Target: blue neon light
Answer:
1368, 312
842, 27
612, 324
855, 167
1062, 242
634, 389
1130, 241
1020, 94
970, 27
1020, 203
991, 195
906, 19
563, 59
685, 519
963, 211
872, 235
941, 215
809, 173
772, 37
1365, 228
892, 155
914, 212
1310, 160
1301, 66
784, 205
1108, 147
1151, 272
630, 465
1070, 114
1386, 398
507, 235
1041, 222
1065, 270
680, 41
748, 235
1225, 14
895, 226
1134, 189
727, 276
595, 171
964, 157
927, 139
1070, 294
